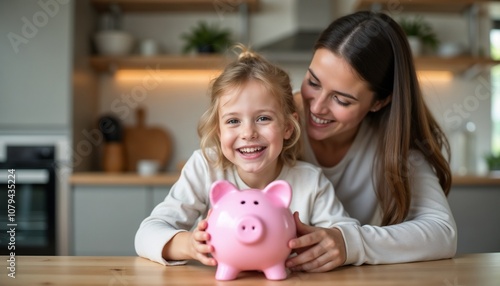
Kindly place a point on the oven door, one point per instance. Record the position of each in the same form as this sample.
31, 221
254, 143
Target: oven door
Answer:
27, 221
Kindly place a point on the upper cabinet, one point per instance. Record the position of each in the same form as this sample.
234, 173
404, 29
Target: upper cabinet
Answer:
34, 101
469, 9
170, 61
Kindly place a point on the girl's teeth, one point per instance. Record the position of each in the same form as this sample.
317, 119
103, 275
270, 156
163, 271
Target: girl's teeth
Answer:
319, 120
250, 150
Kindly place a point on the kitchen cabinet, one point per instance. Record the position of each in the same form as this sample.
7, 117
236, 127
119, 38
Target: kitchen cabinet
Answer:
468, 8
106, 63
476, 212
159, 194
35, 77
105, 218
107, 210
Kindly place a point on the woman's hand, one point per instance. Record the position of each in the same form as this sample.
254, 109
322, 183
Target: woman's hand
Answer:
199, 249
318, 249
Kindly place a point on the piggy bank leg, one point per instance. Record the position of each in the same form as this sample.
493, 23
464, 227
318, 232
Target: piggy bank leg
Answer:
226, 272
276, 272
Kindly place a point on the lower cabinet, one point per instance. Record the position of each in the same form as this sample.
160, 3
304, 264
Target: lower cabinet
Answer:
477, 213
106, 218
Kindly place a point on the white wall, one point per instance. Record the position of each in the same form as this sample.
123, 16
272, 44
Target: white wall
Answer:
458, 102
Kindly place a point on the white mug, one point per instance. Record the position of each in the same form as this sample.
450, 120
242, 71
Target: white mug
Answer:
148, 167
148, 47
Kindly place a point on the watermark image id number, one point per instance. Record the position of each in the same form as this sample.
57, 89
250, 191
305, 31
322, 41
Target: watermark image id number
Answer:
11, 222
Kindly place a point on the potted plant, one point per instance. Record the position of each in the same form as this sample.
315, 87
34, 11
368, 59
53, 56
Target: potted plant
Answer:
419, 33
206, 38
493, 162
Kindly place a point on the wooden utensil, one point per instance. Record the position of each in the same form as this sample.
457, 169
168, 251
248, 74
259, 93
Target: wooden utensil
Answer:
146, 143
113, 157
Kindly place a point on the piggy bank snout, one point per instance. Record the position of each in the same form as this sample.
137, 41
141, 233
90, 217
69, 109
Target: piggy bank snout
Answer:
249, 229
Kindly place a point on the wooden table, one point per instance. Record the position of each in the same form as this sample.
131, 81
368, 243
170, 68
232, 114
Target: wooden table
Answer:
471, 269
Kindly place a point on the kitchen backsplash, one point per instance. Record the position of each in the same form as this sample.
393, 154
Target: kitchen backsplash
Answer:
175, 103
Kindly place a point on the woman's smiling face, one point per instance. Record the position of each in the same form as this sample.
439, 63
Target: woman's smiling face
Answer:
335, 98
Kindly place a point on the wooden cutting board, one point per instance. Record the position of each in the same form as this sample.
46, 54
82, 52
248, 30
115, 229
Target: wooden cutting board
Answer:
146, 143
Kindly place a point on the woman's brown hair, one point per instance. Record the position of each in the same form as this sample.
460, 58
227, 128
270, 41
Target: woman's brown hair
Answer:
377, 49
249, 66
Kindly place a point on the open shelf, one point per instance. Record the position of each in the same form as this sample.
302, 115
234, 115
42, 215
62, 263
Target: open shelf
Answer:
199, 62
455, 64
218, 6
215, 62
437, 6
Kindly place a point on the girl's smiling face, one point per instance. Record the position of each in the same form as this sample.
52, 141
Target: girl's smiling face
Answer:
252, 130
335, 98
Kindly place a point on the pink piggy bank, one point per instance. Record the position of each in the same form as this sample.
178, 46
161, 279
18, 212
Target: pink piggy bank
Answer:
250, 229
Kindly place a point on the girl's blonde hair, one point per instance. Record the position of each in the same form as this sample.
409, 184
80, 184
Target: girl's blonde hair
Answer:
249, 66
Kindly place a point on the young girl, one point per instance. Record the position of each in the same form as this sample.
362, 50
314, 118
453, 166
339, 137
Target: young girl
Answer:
249, 136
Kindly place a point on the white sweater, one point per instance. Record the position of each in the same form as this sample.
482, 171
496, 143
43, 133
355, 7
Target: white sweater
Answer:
429, 232
313, 197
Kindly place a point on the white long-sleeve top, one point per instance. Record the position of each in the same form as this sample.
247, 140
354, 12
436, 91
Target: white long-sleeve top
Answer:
428, 233
188, 201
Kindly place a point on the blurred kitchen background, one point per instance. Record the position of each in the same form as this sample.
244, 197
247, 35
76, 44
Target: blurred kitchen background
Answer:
103, 103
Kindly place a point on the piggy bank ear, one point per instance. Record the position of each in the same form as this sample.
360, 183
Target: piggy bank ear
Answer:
219, 189
279, 192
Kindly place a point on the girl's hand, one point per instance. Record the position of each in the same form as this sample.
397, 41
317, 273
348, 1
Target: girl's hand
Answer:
200, 250
319, 249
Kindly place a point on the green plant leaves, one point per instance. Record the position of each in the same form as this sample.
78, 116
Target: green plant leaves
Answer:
206, 38
420, 28
493, 162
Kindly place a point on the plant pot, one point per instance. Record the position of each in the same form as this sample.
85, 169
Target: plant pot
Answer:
113, 43
206, 49
494, 173
415, 45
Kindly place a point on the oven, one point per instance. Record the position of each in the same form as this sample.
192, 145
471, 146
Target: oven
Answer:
28, 201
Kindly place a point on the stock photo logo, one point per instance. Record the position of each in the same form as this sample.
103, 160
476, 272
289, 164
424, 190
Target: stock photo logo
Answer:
455, 115
223, 6
118, 278
30, 26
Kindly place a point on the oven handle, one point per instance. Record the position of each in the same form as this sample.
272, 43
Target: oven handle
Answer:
26, 176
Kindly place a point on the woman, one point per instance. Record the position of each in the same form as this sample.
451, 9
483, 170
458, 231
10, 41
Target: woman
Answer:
369, 129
